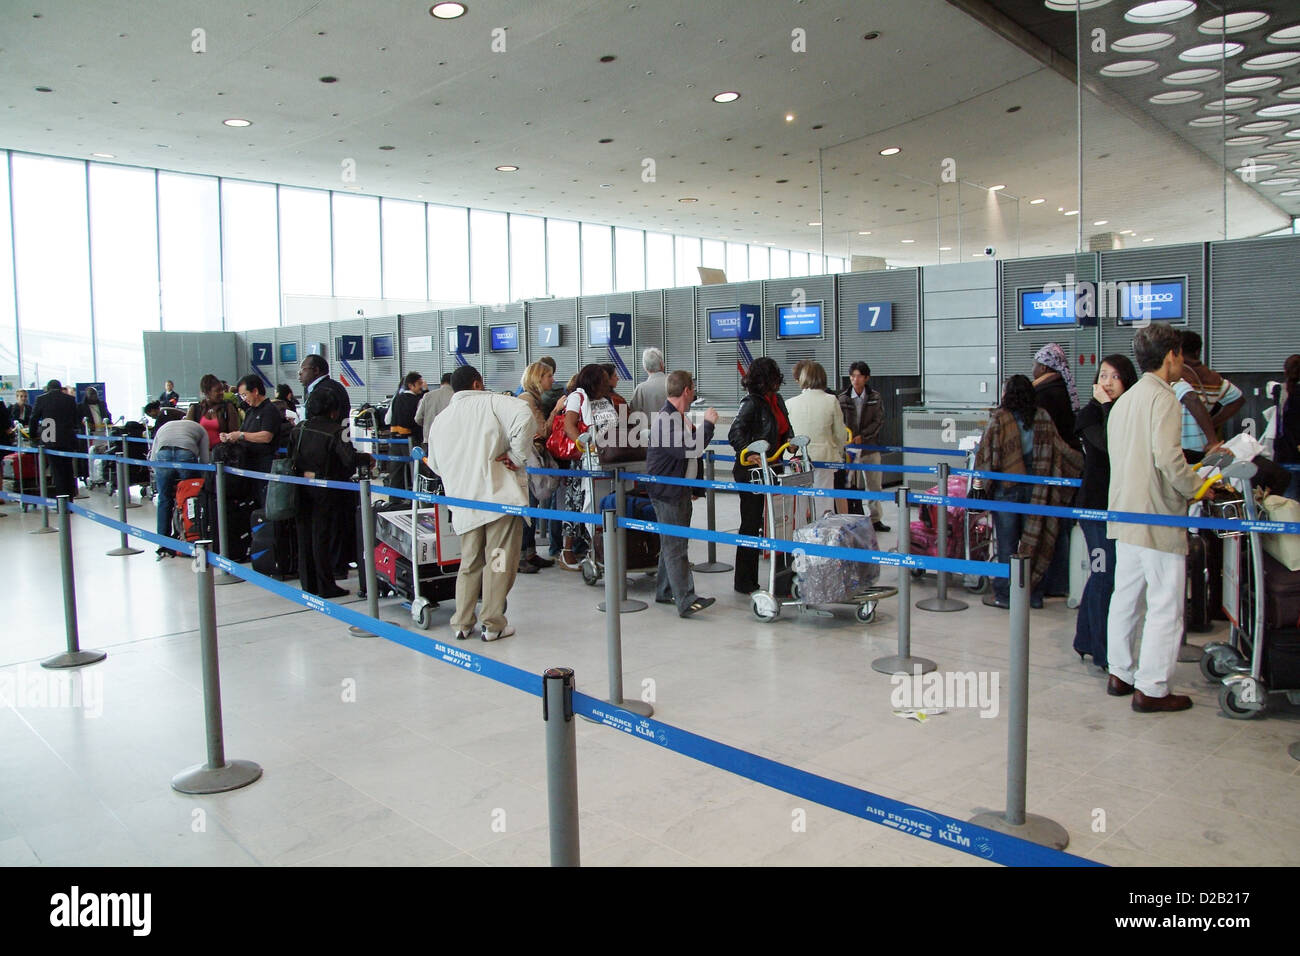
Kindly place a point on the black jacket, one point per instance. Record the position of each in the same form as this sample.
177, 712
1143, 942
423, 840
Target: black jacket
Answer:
20, 415
873, 414
62, 408
754, 420
667, 454
1090, 429
345, 403
1054, 398
402, 413
83, 414
317, 448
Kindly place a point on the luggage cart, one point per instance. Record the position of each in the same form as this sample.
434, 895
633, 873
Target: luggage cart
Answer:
593, 565
975, 527
1239, 663
783, 514
423, 584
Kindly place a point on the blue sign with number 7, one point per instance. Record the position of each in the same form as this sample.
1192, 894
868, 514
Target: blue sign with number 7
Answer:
875, 316
620, 328
548, 334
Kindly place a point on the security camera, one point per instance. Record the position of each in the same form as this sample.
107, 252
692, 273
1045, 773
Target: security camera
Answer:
990, 251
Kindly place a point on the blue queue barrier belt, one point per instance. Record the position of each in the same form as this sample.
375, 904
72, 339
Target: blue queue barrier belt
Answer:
1121, 517
861, 555
1290, 467
381, 441
1012, 476
858, 466
746, 487
378, 457
890, 448
29, 499
294, 479
579, 517
914, 821
570, 472
938, 828
112, 438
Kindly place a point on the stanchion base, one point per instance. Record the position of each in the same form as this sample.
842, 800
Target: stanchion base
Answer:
1190, 654
205, 779
133, 504
942, 604
74, 659
120, 552
1294, 751
626, 607
44, 531
711, 567
225, 577
360, 632
634, 706
1035, 829
903, 665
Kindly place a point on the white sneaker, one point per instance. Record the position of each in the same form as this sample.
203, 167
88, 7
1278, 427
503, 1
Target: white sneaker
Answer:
506, 631
464, 635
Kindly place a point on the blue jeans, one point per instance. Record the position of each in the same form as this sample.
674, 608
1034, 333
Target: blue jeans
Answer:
1007, 526
1094, 606
167, 479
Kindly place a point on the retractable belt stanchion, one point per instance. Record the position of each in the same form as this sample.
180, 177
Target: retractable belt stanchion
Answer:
74, 656
561, 765
942, 602
123, 549
223, 526
218, 775
1294, 750
903, 662
613, 626
368, 558
1015, 820
616, 555
712, 565
124, 475
45, 509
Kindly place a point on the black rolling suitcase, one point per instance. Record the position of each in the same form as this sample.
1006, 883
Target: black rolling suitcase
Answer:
1281, 595
274, 547
1198, 612
239, 516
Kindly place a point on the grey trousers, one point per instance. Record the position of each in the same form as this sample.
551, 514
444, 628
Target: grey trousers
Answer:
674, 578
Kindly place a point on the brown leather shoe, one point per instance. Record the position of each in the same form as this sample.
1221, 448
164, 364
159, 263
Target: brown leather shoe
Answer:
1154, 705
1117, 688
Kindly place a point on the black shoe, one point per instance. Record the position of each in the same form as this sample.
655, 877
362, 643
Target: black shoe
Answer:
699, 604
335, 593
667, 600
1036, 603
539, 562
526, 567
991, 600
880, 526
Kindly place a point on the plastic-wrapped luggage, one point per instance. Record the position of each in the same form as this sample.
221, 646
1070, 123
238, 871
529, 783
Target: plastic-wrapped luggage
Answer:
924, 536
832, 580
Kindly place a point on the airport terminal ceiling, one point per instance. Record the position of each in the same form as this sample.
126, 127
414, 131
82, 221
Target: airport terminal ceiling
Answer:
383, 99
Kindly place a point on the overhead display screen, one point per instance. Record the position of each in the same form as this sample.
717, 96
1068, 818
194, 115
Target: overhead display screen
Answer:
504, 338
598, 331
1052, 309
799, 321
1160, 300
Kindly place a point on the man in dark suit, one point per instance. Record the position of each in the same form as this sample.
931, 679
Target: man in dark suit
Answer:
314, 373
54, 425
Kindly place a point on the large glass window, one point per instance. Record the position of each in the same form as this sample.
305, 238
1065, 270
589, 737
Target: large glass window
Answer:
53, 274
780, 263
448, 254
713, 255
250, 263
124, 264
356, 246
737, 262
688, 260
563, 259
527, 257
404, 253
304, 242
659, 261
758, 262
629, 260
597, 263
489, 257
8, 320
798, 264
189, 240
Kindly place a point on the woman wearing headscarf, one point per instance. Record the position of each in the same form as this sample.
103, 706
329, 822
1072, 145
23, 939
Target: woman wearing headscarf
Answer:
1057, 395
1021, 439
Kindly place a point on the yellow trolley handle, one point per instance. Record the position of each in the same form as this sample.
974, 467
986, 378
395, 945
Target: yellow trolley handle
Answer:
770, 458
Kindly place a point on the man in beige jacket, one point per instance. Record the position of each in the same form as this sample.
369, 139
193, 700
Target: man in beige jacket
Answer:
1148, 474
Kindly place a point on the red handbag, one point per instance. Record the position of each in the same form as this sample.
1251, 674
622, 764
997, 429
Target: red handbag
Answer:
559, 443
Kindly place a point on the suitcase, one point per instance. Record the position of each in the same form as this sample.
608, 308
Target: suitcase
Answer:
196, 518
1080, 566
1281, 595
642, 546
1282, 659
21, 473
833, 580
394, 571
274, 547
190, 522
1197, 615
239, 536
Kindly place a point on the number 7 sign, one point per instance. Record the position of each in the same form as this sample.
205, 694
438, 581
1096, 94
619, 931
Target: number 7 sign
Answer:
875, 316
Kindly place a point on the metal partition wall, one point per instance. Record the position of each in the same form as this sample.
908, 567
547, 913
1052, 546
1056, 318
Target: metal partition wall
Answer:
353, 373
449, 320
555, 312
1254, 288
502, 370
384, 374
892, 353
716, 376
680, 338
1016, 347
422, 330
649, 329
1135, 265
603, 305
810, 290
185, 357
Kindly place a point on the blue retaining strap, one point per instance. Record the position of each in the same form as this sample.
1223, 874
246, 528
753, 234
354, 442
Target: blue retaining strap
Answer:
294, 479
1011, 476
772, 489
855, 466
174, 544
580, 517
907, 448
507, 674
112, 438
29, 499
1123, 517
378, 457
724, 457
889, 559
570, 472
935, 827
381, 441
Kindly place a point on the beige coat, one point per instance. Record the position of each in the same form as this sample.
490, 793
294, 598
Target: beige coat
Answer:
1148, 473
816, 413
466, 445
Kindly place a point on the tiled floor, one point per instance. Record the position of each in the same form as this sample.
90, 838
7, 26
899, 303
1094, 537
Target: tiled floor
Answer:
375, 754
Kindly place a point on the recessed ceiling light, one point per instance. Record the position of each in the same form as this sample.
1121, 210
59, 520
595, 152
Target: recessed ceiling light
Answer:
1285, 35
1211, 52
388, 149
994, 189
1233, 23
1280, 109
789, 117
891, 151
44, 89
867, 233
103, 155
606, 185
1069, 6
1175, 96
1127, 232
1129, 68
1072, 212
1037, 202
945, 248
329, 79
1245, 140
1149, 239
1272, 61
1279, 181
1251, 84
1271, 157
1102, 222
907, 240
688, 199
238, 122
1160, 11
1187, 77
1227, 119
447, 11
1263, 126
1142, 42
872, 35
814, 223
507, 169
1231, 103
728, 97
608, 58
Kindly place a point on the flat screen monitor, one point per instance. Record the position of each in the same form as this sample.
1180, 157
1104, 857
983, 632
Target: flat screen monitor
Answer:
799, 321
1155, 300
381, 346
1047, 309
598, 331
504, 338
288, 353
724, 324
